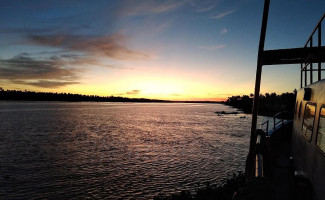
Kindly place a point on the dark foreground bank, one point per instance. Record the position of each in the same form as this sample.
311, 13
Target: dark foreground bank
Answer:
223, 191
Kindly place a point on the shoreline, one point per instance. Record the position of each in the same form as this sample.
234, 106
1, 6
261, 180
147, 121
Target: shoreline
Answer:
14, 95
131, 101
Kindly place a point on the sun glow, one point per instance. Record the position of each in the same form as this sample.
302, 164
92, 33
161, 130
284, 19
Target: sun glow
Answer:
163, 88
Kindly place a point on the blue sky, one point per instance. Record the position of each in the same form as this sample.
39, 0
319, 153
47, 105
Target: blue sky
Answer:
186, 50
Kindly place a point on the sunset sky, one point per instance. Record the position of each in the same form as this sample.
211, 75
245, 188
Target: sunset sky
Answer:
172, 49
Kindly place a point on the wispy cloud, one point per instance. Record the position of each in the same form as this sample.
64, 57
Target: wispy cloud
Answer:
222, 15
111, 46
204, 5
213, 47
204, 8
45, 83
117, 67
149, 7
50, 72
224, 31
133, 92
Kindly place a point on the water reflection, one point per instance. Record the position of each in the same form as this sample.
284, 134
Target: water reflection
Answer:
114, 150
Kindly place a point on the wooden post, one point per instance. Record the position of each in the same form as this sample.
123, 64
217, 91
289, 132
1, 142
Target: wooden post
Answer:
259, 74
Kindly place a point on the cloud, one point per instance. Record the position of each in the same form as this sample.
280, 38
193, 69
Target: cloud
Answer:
77, 60
118, 67
45, 83
110, 46
55, 28
213, 47
221, 15
20, 30
149, 7
224, 31
205, 8
42, 72
201, 6
134, 92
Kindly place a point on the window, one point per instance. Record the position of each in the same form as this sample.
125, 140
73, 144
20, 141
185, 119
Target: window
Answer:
321, 130
308, 123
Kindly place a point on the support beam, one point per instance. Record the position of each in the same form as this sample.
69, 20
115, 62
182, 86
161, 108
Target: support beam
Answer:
259, 74
293, 56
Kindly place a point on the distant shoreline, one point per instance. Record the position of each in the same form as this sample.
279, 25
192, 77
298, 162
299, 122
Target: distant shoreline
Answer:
15, 95
131, 101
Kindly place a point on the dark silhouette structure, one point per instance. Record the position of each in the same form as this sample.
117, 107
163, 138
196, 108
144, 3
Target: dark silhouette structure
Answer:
288, 156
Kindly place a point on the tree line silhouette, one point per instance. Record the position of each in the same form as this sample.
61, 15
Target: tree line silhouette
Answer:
269, 104
49, 96
14, 95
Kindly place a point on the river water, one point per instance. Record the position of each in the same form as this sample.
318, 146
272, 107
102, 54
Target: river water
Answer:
56, 150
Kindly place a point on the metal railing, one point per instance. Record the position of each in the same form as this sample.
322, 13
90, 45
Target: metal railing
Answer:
277, 119
307, 65
266, 130
258, 158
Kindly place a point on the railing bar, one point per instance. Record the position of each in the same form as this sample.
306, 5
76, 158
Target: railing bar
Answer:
259, 165
309, 42
314, 70
311, 73
304, 68
258, 158
306, 65
319, 45
308, 70
305, 78
301, 75
264, 122
311, 64
311, 35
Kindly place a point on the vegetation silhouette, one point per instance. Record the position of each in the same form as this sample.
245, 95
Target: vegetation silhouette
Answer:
49, 96
17, 95
269, 104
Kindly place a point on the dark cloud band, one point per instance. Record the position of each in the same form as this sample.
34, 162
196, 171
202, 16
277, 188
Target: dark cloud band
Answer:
50, 72
110, 46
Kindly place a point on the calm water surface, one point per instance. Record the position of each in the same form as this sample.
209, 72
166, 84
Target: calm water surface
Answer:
116, 150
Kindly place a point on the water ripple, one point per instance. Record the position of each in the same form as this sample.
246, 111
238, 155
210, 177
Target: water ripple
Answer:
116, 150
